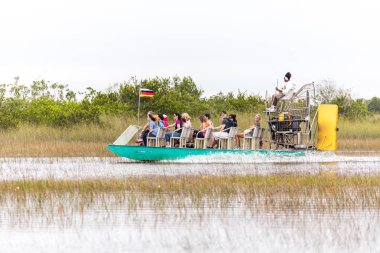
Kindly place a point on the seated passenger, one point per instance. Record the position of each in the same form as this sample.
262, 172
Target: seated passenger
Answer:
209, 120
202, 128
233, 120
177, 128
163, 119
187, 119
145, 130
286, 89
249, 131
154, 124
166, 120
223, 129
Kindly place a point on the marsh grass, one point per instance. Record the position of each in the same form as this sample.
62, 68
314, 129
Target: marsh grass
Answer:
66, 203
359, 134
91, 140
44, 141
285, 191
360, 129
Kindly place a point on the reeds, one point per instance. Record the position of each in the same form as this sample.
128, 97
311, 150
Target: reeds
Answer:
288, 192
360, 129
359, 135
67, 202
44, 141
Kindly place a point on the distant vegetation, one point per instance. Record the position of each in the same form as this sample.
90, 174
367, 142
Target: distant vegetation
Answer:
328, 92
53, 104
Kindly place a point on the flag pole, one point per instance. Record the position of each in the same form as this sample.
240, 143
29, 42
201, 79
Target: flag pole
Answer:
138, 109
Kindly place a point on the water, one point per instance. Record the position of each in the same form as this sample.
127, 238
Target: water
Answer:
218, 232
92, 167
210, 230
109, 225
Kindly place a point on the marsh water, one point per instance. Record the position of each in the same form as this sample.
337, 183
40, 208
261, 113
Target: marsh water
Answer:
109, 223
95, 167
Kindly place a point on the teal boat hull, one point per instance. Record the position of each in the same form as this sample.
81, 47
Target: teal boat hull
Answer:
141, 153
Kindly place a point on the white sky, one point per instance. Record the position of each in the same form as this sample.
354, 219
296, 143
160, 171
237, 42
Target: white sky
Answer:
222, 45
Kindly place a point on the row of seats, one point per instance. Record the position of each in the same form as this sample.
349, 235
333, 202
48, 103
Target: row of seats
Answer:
228, 142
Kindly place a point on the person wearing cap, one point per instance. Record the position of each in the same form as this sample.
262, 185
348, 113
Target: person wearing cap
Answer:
286, 88
166, 123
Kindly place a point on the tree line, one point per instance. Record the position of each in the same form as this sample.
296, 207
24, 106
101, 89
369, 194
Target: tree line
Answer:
54, 104
328, 92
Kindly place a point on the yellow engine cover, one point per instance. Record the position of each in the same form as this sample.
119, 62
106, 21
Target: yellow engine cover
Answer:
281, 117
327, 127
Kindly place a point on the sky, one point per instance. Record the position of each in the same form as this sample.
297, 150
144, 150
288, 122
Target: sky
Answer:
222, 45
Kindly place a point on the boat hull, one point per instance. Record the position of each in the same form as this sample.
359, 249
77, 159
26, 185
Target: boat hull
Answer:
141, 153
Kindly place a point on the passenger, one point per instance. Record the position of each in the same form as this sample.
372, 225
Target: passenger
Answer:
183, 121
209, 120
202, 128
187, 118
166, 120
222, 129
249, 132
163, 119
145, 130
177, 128
287, 88
232, 118
154, 124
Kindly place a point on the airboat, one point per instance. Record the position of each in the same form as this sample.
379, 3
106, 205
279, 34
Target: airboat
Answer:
298, 125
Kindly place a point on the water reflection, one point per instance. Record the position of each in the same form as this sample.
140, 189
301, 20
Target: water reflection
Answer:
117, 228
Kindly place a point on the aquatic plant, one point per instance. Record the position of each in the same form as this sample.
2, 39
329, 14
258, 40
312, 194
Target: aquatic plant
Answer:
291, 191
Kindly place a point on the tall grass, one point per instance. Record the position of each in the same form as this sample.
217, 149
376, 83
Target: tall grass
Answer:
84, 140
359, 134
360, 129
288, 192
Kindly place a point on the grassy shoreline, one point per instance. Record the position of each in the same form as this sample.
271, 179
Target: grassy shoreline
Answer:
92, 140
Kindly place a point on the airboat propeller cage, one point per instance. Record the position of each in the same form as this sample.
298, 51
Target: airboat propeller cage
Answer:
327, 127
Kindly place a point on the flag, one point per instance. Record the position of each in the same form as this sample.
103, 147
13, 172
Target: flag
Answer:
146, 93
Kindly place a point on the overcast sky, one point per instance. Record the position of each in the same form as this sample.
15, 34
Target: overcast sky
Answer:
222, 45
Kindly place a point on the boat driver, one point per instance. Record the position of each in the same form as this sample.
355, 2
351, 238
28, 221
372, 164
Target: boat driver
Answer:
287, 88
